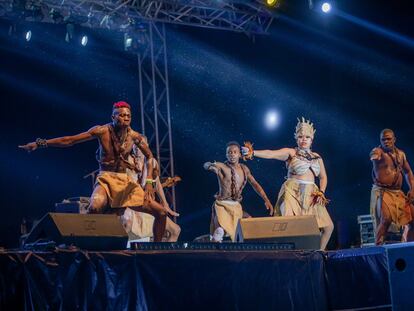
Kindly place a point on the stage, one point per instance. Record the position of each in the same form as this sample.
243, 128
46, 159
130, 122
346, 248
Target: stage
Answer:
194, 279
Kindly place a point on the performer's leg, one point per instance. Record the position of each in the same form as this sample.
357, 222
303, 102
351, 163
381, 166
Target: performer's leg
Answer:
326, 235
155, 209
173, 230
99, 200
384, 223
127, 219
385, 220
409, 228
382, 230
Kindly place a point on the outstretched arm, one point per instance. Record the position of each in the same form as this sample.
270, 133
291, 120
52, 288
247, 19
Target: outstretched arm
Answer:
280, 154
259, 190
65, 141
213, 166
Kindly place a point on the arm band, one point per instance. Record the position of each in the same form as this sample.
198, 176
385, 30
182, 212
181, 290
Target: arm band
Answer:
41, 143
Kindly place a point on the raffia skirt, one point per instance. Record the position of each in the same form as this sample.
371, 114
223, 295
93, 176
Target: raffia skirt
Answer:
295, 199
121, 189
391, 204
226, 214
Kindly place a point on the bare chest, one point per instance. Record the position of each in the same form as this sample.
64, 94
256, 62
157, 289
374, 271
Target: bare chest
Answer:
389, 164
234, 176
119, 145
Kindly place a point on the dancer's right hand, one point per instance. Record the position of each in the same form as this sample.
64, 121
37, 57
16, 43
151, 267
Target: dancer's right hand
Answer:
244, 151
29, 147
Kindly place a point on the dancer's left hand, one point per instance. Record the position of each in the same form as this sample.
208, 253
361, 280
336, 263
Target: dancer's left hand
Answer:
269, 207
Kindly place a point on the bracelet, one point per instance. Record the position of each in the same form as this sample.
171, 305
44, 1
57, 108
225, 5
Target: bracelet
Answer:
149, 181
250, 153
41, 143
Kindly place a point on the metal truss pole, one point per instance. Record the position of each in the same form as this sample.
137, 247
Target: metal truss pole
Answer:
155, 98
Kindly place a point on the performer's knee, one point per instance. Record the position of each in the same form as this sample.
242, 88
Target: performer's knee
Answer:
97, 203
160, 212
328, 229
175, 230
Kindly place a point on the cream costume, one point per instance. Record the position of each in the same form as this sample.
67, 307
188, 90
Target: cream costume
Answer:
299, 197
296, 197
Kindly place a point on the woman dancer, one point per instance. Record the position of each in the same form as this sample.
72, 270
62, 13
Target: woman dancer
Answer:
299, 194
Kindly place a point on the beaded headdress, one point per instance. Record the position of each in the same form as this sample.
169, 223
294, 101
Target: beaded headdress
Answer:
304, 127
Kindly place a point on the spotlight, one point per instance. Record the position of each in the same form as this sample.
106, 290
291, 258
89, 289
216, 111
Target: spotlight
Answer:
84, 40
272, 3
326, 7
272, 119
127, 41
28, 35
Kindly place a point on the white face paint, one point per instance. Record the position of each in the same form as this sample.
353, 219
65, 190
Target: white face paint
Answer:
304, 141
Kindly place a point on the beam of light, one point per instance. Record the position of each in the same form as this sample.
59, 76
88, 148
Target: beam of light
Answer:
272, 119
326, 7
392, 35
374, 66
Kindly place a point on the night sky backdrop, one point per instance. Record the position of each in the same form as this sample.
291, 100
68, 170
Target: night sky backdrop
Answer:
351, 73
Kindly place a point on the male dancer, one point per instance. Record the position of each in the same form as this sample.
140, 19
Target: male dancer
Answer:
388, 203
113, 187
232, 177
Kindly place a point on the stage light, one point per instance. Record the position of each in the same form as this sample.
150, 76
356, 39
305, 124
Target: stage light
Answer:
28, 35
84, 40
272, 3
272, 119
326, 7
127, 41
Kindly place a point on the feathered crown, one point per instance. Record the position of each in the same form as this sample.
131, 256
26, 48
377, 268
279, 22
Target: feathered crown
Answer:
305, 127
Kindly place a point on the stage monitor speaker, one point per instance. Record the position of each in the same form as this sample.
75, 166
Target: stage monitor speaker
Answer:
86, 231
300, 231
400, 259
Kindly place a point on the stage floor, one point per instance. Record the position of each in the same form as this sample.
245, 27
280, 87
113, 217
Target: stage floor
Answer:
194, 280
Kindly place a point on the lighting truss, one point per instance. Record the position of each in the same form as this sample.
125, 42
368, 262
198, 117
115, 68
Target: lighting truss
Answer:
148, 18
247, 16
